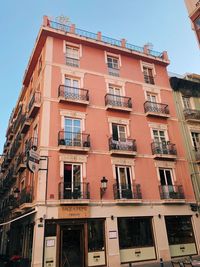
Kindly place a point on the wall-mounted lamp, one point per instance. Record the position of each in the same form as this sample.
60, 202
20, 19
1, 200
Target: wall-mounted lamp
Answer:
112, 217
197, 215
103, 186
159, 216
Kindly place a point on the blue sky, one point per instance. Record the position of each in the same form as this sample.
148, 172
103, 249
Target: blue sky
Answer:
163, 23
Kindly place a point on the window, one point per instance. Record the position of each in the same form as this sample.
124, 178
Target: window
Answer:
196, 140
96, 235
160, 142
123, 177
119, 132
113, 65
72, 132
179, 230
39, 65
72, 181
186, 102
148, 75
71, 88
151, 97
135, 232
115, 96
72, 56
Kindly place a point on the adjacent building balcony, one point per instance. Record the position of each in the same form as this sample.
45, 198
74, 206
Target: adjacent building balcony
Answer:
25, 198
126, 147
116, 102
156, 109
17, 120
73, 94
149, 79
20, 163
171, 192
74, 192
123, 192
16, 144
192, 115
74, 141
164, 150
34, 104
25, 123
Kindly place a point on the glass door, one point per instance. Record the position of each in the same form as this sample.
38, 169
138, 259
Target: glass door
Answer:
115, 95
160, 141
166, 182
71, 88
72, 181
73, 132
123, 182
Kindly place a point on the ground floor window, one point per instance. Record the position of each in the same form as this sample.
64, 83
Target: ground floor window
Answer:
135, 232
95, 235
179, 230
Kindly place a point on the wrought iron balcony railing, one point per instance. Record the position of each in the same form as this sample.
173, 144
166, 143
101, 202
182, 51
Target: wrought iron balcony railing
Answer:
73, 190
165, 148
15, 146
17, 121
118, 101
171, 192
127, 144
73, 62
35, 99
73, 139
156, 107
25, 196
192, 114
149, 79
126, 191
113, 71
20, 160
73, 93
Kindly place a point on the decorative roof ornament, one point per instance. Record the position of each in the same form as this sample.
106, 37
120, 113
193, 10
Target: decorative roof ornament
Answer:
63, 20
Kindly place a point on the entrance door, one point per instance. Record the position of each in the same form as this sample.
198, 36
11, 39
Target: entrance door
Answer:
72, 246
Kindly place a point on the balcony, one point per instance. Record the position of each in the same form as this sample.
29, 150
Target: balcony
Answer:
34, 104
73, 141
115, 102
15, 146
17, 121
73, 94
149, 79
156, 109
126, 147
25, 198
126, 192
20, 163
25, 123
164, 150
192, 115
74, 192
113, 71
72, 62
171, 193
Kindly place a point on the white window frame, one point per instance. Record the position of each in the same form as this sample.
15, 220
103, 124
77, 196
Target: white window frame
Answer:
81, 172
149, 66
122, 125
117, 56
119, 178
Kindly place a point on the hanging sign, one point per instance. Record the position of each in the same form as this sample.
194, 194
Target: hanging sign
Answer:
33, 160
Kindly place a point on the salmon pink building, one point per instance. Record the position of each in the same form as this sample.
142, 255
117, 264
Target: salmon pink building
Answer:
94, 170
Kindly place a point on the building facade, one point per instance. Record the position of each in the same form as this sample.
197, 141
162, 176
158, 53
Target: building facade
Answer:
113, 185
193, 7
187, 98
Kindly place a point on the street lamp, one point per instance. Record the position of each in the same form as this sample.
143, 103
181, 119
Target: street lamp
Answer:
103, 186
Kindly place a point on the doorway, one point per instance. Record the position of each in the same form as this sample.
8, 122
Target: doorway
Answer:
72, 246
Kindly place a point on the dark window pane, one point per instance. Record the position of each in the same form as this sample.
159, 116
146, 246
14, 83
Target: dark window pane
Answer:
95, 235
179, 230
135, 232
115, 132
162, 177
168, 176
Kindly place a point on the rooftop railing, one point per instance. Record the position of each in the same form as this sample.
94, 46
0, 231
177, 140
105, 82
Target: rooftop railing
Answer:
105, 39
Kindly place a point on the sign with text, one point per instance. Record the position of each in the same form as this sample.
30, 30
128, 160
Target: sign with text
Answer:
33, 160
73, 212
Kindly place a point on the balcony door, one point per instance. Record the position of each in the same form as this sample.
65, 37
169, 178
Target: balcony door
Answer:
166, 182
115, 95
153, 101
119, 132
160, 141
123, 177
72, 88
72, 181
73, 132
